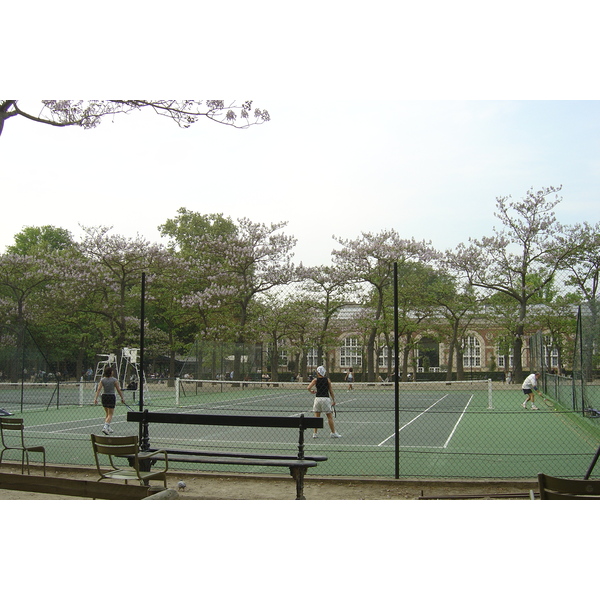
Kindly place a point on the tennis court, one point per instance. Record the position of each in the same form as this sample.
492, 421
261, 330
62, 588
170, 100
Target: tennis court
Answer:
472, 429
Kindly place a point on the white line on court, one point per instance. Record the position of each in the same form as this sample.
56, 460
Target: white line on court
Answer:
412, 420
41, 425
457, 422
242, 402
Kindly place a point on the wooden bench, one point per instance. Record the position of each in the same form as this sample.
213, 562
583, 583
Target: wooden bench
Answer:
85, 489
298, 464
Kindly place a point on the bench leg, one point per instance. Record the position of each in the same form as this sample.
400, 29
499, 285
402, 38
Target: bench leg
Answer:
298, 475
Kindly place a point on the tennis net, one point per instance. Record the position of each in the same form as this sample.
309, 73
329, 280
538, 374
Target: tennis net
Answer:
17, 395
292, 397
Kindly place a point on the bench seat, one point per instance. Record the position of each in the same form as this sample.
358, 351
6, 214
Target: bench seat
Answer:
179, 454
238, 460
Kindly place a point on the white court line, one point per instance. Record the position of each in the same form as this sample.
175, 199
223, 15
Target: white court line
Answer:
97, 424
457, 422
412, 420
40, 425
238, 402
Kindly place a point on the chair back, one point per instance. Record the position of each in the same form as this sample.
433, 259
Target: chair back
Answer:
115, 445
10, 424
555, 488
13, 423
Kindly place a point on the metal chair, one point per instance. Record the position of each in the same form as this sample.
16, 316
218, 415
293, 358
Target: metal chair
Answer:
16, 441
126, 447
554, 488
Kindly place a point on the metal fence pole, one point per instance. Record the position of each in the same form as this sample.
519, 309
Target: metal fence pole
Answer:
144, 445
396, 379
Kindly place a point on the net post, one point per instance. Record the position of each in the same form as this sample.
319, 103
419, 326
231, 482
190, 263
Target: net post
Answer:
177, 383
81, 392
490, 402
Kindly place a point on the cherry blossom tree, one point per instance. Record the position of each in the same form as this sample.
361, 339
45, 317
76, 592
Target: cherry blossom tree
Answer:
191, 238
370, 258
26, 284
304, 329
583, 269
583, 266
329, 289
521, 258
253, 260
274, 316
110, 277
90, 113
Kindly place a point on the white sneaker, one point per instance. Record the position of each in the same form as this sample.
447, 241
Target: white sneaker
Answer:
534, 407
524, 405
315, 435
335, 435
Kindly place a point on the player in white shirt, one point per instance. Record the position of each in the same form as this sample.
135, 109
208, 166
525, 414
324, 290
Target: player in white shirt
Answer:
529, 387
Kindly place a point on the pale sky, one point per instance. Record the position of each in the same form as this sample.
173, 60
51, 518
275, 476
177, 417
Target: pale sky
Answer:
428, 169
413, 118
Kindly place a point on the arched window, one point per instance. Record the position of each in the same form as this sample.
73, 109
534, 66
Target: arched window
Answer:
350, 353
472, 352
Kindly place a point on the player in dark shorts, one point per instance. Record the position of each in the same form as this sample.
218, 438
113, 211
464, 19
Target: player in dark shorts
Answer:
108, 385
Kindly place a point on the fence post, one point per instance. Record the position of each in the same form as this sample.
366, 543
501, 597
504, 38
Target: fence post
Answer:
396, 379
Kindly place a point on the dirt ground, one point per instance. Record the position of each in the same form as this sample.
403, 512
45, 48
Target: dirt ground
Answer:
264, 487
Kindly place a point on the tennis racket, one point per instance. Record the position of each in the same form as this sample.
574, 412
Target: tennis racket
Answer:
549, 403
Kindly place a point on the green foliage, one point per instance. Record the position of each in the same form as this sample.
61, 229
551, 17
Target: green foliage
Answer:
40, 240
234, 282
190, 231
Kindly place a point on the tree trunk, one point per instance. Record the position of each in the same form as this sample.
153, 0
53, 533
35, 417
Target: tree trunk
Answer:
460, 365
518, 346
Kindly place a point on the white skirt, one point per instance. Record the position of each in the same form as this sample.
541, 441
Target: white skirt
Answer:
322, 405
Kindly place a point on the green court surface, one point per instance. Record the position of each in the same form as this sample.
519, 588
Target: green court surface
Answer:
458, 430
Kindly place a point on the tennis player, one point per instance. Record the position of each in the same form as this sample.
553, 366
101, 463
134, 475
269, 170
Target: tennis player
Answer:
107, 385
324, 399
350, 378
529, 387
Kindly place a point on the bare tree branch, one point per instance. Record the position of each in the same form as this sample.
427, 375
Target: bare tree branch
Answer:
89, 113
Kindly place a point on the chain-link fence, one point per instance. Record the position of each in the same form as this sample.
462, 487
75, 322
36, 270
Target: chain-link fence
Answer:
426, 423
